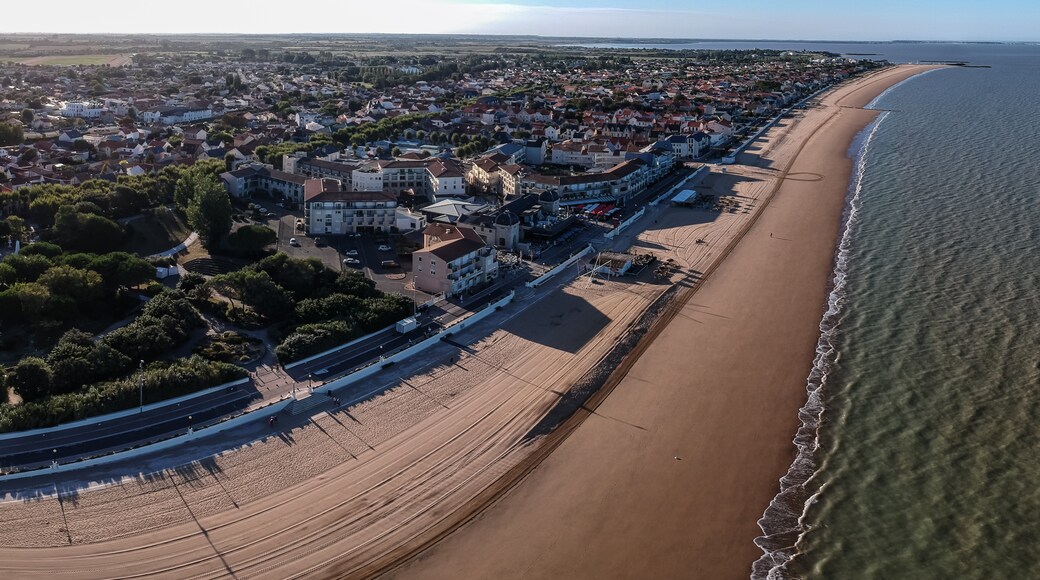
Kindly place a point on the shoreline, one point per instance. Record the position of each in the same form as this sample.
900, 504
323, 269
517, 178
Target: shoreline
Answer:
693, 506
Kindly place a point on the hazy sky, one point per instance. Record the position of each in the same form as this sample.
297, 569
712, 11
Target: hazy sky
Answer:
749, 19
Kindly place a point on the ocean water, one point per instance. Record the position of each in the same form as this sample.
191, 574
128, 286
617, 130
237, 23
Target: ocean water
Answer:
920, 447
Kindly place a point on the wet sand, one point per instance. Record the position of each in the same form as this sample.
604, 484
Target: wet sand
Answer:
668, 477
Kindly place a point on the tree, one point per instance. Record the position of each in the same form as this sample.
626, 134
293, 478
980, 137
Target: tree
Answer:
43, 208
209, 212
11, 135
27, 116
29, 267
77, 360
354, 283
303, 278
125, 201
30, 155
122, 270
45, 249
194, 286
193, 179
256, 289
250, 240
229, 161
396, 152
86, 232
30, 378
83, 286
34, 300
16, 226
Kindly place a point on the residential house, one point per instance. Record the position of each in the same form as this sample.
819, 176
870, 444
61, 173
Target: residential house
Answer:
452, 261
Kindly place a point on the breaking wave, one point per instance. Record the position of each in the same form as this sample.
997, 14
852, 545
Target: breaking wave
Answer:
783, 523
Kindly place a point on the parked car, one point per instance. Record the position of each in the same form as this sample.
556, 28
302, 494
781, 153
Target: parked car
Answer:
294, 242
389, 264
320, 242
350, 253
384, 248
351, 262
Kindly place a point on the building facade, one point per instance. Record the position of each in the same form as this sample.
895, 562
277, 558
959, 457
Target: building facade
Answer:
453, 261
331, 210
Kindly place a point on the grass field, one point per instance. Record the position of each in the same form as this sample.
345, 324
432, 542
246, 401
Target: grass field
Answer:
73, 59
156, 232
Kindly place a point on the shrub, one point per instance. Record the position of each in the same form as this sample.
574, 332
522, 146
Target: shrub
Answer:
160, 380
313, 338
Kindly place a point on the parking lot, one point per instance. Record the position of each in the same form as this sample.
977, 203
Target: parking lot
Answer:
371, 251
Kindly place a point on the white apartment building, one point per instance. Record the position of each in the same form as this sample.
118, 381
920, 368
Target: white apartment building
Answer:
366, 179
446, 179
82, 109
331, 210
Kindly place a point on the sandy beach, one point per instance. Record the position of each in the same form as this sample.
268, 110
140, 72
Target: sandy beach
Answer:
668, 477
664, 475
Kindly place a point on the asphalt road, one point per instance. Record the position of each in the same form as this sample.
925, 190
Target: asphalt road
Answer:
94, 438
343, 361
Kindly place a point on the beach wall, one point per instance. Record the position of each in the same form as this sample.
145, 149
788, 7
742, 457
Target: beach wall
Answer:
410, 351
248, 417
703, 169
560, 267
614, 232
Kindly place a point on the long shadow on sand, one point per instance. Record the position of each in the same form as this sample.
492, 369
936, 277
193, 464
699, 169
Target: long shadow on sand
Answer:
567, 323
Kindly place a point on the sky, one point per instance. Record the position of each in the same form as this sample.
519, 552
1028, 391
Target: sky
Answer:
995, 20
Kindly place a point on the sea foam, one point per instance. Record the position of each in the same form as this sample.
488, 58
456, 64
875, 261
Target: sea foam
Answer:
783, 523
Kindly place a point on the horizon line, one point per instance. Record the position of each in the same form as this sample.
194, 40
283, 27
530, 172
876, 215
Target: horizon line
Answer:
536, 36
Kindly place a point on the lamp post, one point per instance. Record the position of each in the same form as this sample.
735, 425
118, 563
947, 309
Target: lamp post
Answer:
140, 386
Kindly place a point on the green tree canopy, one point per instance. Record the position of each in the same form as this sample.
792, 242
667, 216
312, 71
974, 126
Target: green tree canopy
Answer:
10, 135
86, 232
49, 251
256, 289
118, 269
27, 268
192, 180
250, 240
209, 212
82, 286
30, 378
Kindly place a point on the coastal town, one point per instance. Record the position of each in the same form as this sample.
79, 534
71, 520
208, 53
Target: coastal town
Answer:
257, 267
508, 146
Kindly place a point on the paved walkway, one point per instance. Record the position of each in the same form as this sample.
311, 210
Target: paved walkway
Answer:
191, 239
